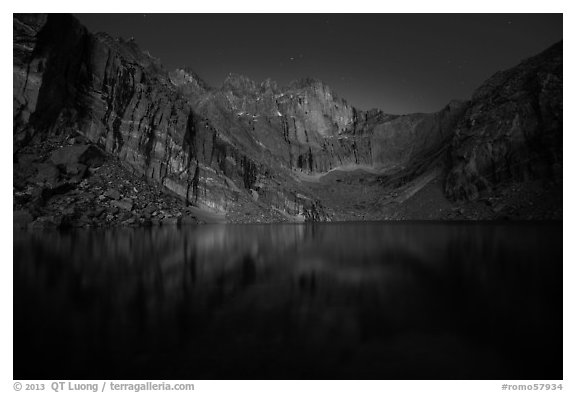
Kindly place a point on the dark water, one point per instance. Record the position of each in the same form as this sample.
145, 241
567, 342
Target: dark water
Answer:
330, 301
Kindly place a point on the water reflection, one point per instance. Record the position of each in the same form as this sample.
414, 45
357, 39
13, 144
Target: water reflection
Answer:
333, 301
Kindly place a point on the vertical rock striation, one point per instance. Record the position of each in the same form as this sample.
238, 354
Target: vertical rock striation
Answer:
66, 79
247, 145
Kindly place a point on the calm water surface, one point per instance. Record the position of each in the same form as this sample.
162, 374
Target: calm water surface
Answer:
326, 301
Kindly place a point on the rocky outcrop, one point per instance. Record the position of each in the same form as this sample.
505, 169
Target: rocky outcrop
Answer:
244, 148
306, 127
121, 99
512, 130
56, 188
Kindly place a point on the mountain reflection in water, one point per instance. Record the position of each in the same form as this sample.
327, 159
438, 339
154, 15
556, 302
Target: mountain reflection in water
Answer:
325, 301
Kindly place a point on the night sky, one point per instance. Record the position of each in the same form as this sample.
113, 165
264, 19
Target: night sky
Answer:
400, 63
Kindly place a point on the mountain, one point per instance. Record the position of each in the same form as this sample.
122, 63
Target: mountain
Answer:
259, 152
512, 128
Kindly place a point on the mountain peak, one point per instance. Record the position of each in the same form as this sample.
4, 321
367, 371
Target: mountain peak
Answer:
130, 49
186, 76
548, 61
269, 85
238, 82
307, 82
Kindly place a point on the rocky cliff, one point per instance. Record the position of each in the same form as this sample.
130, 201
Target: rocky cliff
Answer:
512, 129
258, 151
68, 80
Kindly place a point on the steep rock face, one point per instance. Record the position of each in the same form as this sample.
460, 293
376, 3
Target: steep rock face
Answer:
66, 79
248, 147
27, 75
307, 127
404, 141
298, 125
512, 129
45, 75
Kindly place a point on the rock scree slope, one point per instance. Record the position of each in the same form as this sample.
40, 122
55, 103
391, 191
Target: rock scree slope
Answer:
257, 152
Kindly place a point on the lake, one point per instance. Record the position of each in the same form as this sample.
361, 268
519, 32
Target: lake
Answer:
403, 300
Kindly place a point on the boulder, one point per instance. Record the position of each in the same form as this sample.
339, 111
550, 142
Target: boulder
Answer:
46, 222
61, 187
39, 195
171, 221
130, 221
27, 159
125, 204
112, 194
83, 154
76, 169
149, 210
97, 212
21, 198
47, 173
69, 211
